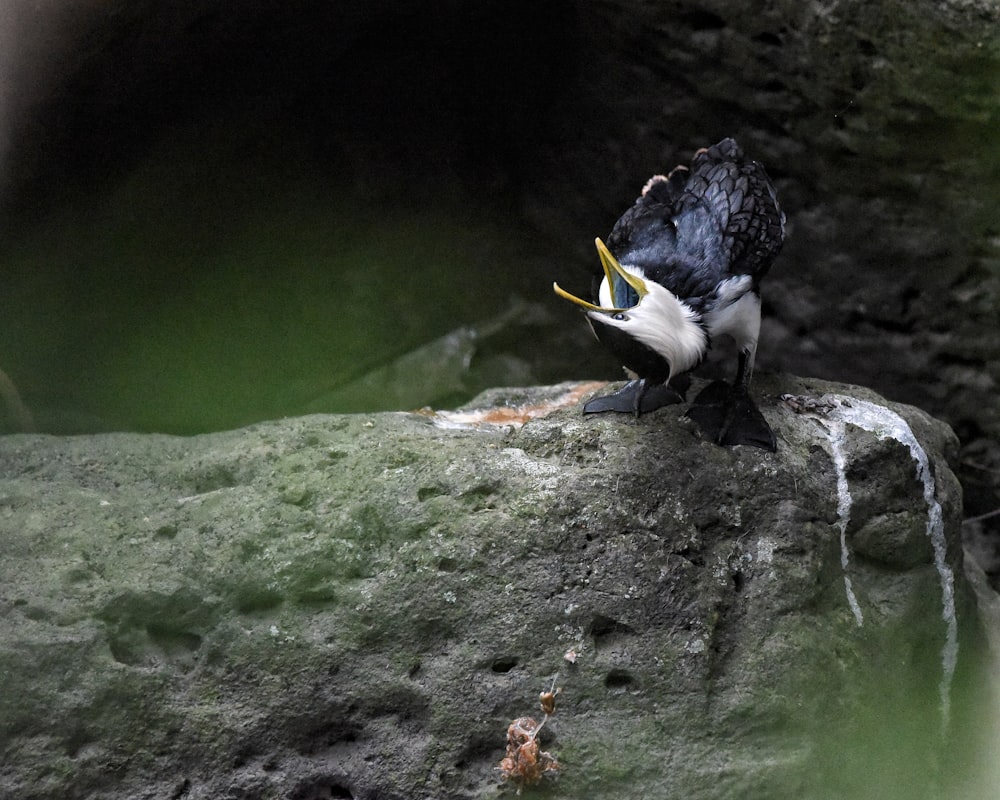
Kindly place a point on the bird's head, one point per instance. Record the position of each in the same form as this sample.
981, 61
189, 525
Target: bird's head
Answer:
653, 332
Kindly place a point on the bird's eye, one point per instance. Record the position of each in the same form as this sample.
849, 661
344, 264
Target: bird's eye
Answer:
620, 317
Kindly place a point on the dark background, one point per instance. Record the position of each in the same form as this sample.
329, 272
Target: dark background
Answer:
214, 213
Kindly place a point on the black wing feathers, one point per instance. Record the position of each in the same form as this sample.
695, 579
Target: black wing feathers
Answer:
703, 224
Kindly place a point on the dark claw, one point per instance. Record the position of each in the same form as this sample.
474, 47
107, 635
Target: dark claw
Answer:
636, 397
728, 416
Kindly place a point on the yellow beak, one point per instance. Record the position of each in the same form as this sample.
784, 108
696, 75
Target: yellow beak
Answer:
612, 269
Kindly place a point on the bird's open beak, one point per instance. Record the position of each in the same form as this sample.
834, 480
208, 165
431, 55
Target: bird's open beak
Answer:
612, 270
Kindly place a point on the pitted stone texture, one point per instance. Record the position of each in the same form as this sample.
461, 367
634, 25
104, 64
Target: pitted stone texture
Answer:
359, 605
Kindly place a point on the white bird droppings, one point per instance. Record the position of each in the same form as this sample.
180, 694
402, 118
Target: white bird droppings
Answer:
836, 431
834, 412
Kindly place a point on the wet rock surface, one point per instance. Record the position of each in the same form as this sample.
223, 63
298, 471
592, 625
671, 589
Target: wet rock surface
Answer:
358, 606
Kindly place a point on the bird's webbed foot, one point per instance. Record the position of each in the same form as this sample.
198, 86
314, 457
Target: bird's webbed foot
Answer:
638, 397
728, 416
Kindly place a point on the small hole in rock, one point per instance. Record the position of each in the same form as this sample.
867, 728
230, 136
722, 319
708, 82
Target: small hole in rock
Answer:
619, 679
447, 564
601, 626
323, 791
425, 493
504, 663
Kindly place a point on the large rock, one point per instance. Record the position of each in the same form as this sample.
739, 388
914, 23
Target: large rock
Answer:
223, 123
358, 606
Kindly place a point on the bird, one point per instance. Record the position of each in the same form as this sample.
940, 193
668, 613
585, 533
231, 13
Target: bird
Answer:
682, 268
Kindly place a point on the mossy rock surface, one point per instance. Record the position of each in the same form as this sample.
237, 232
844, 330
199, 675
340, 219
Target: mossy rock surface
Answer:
335, 606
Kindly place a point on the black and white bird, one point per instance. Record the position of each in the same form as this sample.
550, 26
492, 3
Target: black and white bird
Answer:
682, 267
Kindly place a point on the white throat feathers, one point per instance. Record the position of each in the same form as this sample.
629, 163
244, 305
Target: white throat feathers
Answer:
661, 321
